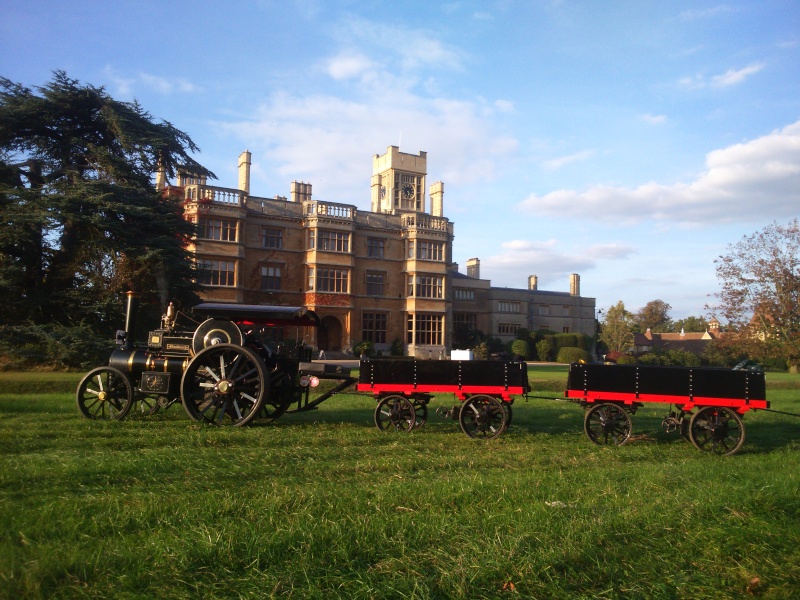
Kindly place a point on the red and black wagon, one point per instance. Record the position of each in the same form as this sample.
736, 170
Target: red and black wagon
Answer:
708, 403
485, 389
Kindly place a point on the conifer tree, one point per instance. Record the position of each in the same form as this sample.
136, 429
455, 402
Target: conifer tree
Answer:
81, 220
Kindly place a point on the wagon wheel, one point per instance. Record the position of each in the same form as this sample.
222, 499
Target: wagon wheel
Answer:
105, 393
483, 416
607, 424
224, 384
420, 412
396, 412
717, 429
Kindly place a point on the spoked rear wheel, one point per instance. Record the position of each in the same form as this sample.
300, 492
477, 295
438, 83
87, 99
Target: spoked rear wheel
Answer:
717, 429
105, 393
395, 412
483, 417
607, 424
224, 384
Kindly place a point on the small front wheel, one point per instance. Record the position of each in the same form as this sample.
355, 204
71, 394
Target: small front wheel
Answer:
395, 412
105, 393
607, 424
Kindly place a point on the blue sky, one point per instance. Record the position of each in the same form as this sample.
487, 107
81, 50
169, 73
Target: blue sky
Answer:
630, 142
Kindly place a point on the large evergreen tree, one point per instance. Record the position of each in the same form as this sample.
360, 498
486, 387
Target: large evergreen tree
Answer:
81, 220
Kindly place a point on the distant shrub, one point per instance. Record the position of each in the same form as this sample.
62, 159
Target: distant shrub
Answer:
397, 347
481, 351
520, 348
544, 349
626, 359
364, 348
571, 355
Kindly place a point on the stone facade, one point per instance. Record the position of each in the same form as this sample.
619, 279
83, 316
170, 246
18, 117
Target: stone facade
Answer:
385, 275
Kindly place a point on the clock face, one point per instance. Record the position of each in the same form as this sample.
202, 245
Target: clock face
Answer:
408, 191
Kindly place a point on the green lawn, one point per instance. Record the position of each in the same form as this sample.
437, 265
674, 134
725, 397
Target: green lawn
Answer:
323, 505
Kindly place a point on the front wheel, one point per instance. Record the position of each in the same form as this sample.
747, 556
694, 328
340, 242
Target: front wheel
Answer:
105, 393
483, 417
607, 424
717, 429
224, 384
395, 412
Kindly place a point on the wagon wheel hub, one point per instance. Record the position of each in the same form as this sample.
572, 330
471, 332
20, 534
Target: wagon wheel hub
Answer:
101, 396
224, 386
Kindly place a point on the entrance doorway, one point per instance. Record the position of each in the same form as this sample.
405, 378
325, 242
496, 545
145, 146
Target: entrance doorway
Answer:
329, 334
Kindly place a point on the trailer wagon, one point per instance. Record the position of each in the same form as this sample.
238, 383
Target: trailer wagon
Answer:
708, 403
485, 388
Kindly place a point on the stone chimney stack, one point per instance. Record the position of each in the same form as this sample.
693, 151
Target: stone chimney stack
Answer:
161, 178
574, 285
244, 171
437, 199
533, 283
300, 191
474, 268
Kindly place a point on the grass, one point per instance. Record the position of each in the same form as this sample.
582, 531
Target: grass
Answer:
323, 505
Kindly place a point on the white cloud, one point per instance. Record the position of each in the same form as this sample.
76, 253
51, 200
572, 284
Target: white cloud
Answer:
128, 86
321, 139
741, 182
410, 48
704, 13
654, 119
546, 261
735, 76
556, 163
728, 78
348, 66
505, 106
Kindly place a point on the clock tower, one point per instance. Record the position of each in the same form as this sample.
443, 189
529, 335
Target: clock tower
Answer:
398, 181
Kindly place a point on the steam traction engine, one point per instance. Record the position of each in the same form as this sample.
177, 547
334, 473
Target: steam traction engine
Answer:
213, 362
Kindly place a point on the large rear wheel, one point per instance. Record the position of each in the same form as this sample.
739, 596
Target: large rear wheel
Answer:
224, 384
717, 429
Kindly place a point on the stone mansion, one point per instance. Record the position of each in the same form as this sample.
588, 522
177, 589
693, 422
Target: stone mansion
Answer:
386, 275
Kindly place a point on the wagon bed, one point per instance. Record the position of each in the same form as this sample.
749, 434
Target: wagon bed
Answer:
460, 377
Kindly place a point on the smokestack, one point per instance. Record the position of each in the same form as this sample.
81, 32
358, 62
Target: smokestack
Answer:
130, 320
533, 282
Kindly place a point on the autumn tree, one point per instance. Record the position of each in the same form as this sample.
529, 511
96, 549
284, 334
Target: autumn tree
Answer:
616, 332
760, 293
653, 316
82, 221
